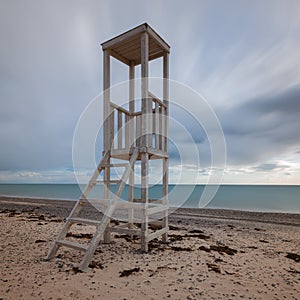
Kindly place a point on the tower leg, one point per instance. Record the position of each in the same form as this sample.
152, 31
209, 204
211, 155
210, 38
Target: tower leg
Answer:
145, 196
165, 197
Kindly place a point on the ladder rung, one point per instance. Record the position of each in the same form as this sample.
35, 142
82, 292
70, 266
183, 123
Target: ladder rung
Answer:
84, 221
119, 165
72, 245
111, 181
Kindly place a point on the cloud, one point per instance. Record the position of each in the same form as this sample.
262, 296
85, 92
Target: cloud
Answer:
29, 174
263, 127
270, 167
243, 58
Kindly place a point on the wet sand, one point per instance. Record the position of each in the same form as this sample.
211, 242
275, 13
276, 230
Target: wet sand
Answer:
211, 254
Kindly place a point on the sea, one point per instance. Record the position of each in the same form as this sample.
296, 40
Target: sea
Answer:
260, 198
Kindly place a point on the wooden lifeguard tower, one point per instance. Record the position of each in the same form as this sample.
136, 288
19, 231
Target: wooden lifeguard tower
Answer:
133, 136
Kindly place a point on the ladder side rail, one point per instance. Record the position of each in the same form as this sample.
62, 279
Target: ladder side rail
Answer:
108, 213
77, 207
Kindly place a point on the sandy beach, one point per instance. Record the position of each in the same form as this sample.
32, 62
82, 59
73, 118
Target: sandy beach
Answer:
211, 254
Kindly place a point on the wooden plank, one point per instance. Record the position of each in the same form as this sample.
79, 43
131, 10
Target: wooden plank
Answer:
119, 204
125, 231
131, 102
157, 153
84, 221
144, 179
131, 139
156, 125
118, 165
123, 154
163, 129
120, 130
123, 37
108, 129
158, 39
166, 143
118, 56
122, 109
73, 245
146, 102
165, 194
111, 128
137, 113
156, 234
160, 137
106, 99
138, 125
144, 196
166, 99
128, 46
114, 181
161, 103
127, 137
156, 55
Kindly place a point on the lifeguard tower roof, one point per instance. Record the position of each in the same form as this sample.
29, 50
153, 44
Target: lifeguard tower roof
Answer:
126, 47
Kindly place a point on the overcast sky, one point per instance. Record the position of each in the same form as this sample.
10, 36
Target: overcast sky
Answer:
243, 57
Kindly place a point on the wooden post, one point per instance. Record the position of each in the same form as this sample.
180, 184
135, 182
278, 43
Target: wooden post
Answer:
145, 140
131, 141
146, 101
106, 129
106, 99
131, 102
156, 125
120, 130
165, 141
145, 195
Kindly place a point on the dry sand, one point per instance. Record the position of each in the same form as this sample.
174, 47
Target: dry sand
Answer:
211, 254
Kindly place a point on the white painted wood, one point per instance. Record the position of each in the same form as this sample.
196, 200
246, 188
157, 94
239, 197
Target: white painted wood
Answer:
122, 109
138, 126
156, 99
73, 245
146, 101
127, 132
106, 98
131, 140
147, 121
156, 234
166, 99
107, 132
158, 39
128, 231
84, 221
118, 56
123, 37
120, 131
156, 125
107, 215
144, 196
160, 126
166, 144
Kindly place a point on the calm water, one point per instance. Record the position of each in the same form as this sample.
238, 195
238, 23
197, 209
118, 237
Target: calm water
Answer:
273, 198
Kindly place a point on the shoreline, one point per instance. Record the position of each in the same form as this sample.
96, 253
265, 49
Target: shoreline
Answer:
282, 218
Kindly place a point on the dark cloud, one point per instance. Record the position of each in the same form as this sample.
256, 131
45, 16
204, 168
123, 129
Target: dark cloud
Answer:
270, 167
262, 127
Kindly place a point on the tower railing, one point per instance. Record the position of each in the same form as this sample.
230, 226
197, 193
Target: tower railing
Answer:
125, 127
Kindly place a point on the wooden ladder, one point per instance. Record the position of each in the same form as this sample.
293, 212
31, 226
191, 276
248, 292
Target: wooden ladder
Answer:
100, 225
